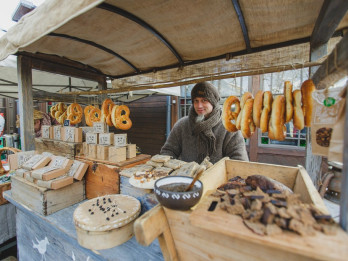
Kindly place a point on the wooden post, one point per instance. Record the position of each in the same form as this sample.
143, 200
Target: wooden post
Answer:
102, 85
344, 184
313, 162
253, 141
26, 105
174, 111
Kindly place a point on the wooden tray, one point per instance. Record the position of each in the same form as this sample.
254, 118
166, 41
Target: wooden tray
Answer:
198, 235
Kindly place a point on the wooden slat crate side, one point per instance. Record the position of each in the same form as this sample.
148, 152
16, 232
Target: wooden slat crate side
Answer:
193, 243
59, 148
283, 174
4, 187
101, 180
29, 195
65, 197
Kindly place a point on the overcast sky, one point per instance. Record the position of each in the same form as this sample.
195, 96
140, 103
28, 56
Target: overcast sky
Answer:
7, 8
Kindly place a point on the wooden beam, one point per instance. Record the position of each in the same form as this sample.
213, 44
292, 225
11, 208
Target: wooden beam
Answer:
334, 67
344, 184
59, 97
331, 13
26, 106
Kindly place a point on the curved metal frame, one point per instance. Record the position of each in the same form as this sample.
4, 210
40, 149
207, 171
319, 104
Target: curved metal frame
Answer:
242, 24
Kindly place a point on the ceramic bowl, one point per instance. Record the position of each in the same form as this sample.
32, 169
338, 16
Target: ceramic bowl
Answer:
177, 200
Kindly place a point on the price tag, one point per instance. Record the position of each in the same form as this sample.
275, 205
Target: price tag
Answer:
66, 122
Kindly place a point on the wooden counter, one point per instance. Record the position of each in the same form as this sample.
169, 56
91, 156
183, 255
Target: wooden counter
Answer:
48, 237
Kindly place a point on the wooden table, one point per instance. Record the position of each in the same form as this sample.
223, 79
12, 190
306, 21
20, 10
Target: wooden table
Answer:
54, 236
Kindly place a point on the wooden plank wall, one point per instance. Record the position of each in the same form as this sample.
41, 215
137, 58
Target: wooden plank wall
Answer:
148, 116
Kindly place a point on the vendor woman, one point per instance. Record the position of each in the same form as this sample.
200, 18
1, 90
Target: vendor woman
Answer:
201, 133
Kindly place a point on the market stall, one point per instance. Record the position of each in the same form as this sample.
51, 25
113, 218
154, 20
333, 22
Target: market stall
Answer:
251, 39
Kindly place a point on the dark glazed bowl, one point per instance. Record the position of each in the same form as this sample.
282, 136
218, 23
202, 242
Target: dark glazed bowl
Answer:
178, 200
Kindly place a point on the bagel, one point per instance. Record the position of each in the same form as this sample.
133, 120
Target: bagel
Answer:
247, 124
244, 98
266, 111
289, 108
298, 118
105, 109
276, 123
257, 108
228, 116
307, 89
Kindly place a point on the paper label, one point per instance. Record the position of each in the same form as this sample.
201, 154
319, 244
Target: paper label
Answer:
120, 140
99, 127
91, 138
57, 132
69, 134
44, 170
74, 168
24, 157
32, 161
105, 138
58, 162
45, 131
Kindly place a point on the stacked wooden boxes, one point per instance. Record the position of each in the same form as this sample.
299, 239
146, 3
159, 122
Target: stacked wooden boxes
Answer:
102, 145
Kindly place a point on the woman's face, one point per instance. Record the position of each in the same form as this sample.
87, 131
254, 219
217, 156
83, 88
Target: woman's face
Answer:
202, 106
37, 125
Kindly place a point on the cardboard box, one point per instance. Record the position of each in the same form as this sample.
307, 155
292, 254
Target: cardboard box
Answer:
47, 132
100, 127
106, 139
102, 152
91, 138
117, 154
56, 183
72, 134
92, 151
77, 170
131, 151
57, 132
120, 140
36, 162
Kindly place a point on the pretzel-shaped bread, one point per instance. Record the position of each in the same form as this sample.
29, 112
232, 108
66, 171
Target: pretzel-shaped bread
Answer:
228, 116
266, 111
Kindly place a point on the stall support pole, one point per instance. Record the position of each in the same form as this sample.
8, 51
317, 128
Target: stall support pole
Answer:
344, 184
102, 85
26, 105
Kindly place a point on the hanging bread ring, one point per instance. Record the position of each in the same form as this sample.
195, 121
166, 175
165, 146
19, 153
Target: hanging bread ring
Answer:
113, 115
53, 111
289, 108
247, 123
109, 120
246, 96
105, 109
228, 116
62, 117
276, 122
266, 111
120, 117
87, 110
94, 115
74, 112
257, 108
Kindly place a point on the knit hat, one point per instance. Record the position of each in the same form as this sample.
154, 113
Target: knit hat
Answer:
206, 90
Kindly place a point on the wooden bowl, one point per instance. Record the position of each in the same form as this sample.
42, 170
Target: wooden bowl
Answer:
176, 199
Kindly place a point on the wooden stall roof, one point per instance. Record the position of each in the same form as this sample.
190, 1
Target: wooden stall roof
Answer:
117, 38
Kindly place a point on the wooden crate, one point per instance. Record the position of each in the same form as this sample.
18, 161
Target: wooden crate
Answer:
201, 235
46, 201
59, 148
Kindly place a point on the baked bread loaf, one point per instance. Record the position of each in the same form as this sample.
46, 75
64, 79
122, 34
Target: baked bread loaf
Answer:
289, 109
257, 108
298, 118
307, 89
228, 116
246, 96
266, 111
247, 123
276, 125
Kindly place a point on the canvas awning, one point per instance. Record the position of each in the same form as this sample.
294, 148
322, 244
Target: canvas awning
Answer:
166, 41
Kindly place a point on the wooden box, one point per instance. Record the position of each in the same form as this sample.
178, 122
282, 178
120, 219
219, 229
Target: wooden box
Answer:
117, 154
57, 132
131, 151
101, 180
47, 132
120, 140
106, 139
100, 127
91, 138
46, 201
55, 183
85, 148
203, 235
92, 151
72, 134
102, 152
59, 148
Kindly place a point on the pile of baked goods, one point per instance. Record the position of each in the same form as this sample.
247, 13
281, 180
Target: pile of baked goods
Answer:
145, 175
269, 113
112, 114
268, 207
